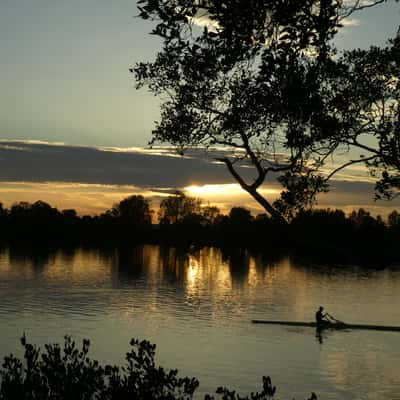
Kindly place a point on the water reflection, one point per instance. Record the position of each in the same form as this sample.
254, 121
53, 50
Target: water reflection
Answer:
196, 304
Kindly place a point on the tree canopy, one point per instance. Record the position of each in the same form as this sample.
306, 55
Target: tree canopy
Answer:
134, 209
178, 208
263, 80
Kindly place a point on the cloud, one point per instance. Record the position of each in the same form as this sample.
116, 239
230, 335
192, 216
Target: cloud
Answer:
346, 22
159, 167
92, 179
44, 162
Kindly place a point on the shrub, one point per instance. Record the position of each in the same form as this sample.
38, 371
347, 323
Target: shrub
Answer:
69, 374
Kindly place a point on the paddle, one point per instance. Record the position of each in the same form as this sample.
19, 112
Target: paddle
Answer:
334, 319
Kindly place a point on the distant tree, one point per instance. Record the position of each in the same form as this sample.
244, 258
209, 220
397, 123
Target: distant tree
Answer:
360, 215
394, 219
210, 214
240, 216
70, 221
262, 218
364, 221
3, 215
134, 210
334, 216
177, 208
262, 80
39, 212
18, 210
322, 224
43, 210
69, 213
87, 219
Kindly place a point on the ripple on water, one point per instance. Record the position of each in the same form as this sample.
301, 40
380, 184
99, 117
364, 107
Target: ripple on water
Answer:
198, 312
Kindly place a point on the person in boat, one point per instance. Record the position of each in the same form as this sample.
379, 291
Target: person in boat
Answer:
322, 318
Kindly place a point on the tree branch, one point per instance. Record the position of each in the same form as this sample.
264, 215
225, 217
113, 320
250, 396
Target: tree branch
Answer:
253, 191
351, 162
364, 147
256, 162
360, 5
233, 172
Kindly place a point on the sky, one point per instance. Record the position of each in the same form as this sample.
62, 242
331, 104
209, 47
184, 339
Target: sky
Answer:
65, 84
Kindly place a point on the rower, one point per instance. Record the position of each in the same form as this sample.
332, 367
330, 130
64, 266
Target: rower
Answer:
320, 317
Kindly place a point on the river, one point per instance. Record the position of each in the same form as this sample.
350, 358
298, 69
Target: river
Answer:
196, 306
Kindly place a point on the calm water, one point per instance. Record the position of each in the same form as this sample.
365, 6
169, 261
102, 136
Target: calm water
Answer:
196, 307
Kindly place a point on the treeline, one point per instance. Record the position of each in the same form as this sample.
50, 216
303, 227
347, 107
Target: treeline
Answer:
326, 235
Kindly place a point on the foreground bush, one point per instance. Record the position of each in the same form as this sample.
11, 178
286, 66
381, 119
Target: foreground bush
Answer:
69, 374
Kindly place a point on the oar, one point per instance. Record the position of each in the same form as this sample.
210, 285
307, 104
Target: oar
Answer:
336, 320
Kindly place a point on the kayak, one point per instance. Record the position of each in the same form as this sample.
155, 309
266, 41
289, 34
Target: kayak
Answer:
329, 325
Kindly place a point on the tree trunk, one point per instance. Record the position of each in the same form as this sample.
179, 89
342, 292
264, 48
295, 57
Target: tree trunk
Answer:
252, 190
275, 214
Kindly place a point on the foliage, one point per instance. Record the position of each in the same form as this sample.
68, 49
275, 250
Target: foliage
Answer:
68, 373
394, 219
134, 210
261, 80
211, 215
178, 208
240, 216
366, 106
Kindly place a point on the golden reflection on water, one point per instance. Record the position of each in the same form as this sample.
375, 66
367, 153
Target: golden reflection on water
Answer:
230, 277
167, 293
206, 270
77, 266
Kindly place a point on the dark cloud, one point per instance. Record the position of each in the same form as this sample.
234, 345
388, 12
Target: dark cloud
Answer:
41, 162
157, 168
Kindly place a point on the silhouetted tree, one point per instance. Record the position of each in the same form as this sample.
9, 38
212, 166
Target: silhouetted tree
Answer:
38, 215
42, 211
134, 210
70, 214
260, 79
322, 225
3, 212
394, 219
210, 214
70, 223
19, 210
365, 222
360, 216
264, 225
3, 219
240, 216
178, 208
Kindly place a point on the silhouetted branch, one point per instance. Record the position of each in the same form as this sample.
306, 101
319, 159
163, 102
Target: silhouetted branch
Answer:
351, 162
360, 5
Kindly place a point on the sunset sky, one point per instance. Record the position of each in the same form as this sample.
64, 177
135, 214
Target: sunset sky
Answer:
74, 131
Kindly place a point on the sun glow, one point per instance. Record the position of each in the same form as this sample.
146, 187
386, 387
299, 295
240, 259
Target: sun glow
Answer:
230, 189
